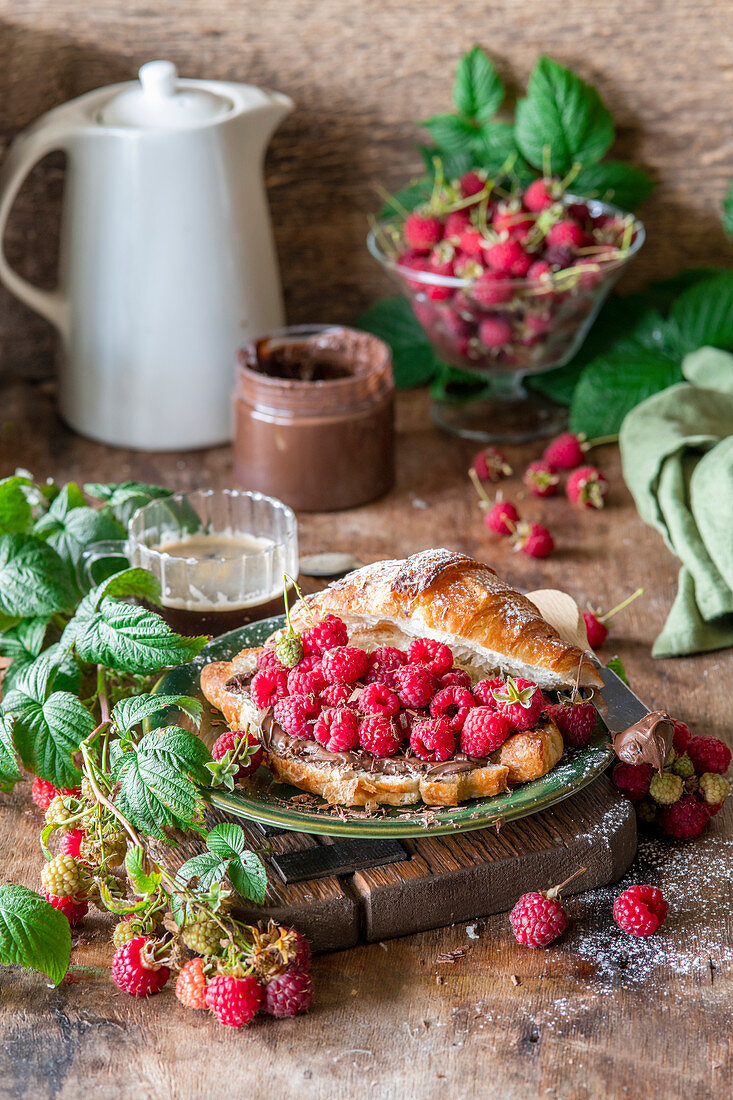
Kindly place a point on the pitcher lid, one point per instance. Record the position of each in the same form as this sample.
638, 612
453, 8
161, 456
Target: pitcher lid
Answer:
160, 102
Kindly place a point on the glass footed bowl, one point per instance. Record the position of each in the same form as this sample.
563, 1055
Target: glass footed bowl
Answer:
548, 319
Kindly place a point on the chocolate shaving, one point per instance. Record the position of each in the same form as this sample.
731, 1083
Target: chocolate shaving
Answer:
451, 956
648, 741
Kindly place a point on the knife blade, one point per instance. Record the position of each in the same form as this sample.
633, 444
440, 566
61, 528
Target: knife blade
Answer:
623, 707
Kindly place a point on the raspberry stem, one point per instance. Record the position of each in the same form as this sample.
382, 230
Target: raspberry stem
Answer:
556, 889
620, 606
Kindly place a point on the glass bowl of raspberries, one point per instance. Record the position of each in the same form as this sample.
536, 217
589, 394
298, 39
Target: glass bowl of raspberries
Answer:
505, 284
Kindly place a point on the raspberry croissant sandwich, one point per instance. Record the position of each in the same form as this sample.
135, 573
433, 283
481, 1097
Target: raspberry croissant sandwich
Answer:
410, 680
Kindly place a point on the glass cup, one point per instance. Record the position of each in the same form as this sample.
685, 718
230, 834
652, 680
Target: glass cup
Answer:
220, 556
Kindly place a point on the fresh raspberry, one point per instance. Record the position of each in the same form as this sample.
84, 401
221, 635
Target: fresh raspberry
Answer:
681, 737
72, 909
379, 736
63, 877
534, 540
493, 288
191, 984
344, 664
714, 788
378, 699
537, 920
578, 211
521, 702
471, 183
267, 658
295, 715
502, 518
71, 842
301, 958
510, 218
666, 788
490, 465
457, 677
541, 479
567, 234
596, 630
484, 691
267, 686
509, 257
471, 243
708, 754
452, 704
576, 722
560, 257
288, 994
337, 730
540, 194
326, 634
234, 1001
494, 332
484, 731
685, 819
306, 681
632, 779
228, 743
539, 269
43, 792
422, 231
455, 224
382, 660
565, 452
683, 766
587, 486
336, 695
414, 685
640, 910
432, 654
135, 969
432, 740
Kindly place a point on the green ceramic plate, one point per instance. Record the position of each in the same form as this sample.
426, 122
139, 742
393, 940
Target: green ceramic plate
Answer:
267, 801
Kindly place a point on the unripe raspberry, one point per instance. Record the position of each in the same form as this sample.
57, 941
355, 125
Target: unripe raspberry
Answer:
203, 936
111, 850
646, 811
683, 766
289, 650
715, 788
63, 877
130, 927
57, 813
666, 788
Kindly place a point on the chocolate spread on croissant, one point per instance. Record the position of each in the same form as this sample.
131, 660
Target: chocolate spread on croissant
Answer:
648, 741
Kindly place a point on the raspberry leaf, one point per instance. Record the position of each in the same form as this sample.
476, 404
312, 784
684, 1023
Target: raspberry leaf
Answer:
415, 194
226, 840
562, 112
414, 361
614, 383
70, 525
206, 867
16, 517
478, 91
127, 584
493, 146
125, 499
616, 665
32, 933
48, 731
143, 881
130, 712
704, 313
21, 645
249, 877
9, 774
616, 182
126, 637
728, 211
33, 578
452, 134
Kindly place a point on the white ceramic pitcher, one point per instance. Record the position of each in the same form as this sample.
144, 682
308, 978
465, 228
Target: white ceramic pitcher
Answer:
167, 262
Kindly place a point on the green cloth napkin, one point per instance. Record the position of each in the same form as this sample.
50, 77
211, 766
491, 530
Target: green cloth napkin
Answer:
677, 456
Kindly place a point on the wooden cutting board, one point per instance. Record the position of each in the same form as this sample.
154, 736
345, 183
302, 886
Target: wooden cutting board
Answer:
448, 879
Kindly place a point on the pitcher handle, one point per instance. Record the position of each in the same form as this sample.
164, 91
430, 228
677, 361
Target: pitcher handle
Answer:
107, 548
27, 149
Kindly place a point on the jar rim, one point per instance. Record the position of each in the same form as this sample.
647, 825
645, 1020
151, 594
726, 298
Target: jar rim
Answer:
333, 386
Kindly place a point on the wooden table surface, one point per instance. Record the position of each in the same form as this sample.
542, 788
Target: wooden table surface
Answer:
597, 1014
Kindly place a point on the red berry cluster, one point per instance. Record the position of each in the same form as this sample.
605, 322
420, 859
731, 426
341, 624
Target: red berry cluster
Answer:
690, 790
500, 281
414, 701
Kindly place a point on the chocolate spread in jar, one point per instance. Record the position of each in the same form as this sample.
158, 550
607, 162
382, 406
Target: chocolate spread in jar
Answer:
314, 417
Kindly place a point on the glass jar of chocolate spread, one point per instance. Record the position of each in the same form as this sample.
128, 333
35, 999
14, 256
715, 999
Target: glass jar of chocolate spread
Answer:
314, 417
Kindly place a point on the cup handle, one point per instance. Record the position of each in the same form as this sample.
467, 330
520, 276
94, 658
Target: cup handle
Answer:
107, 548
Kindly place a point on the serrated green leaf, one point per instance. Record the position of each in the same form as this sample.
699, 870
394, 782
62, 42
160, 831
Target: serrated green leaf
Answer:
143, 882
478, 91
68, 673
248, 876
9, 773
126, 637
16, 516
226, 840
125, 499
612, 181
135, 584
616, 665
392, 320
493, 146
33, 578
662, 293
451, 134
157, 781
562, 112
32, 933
704, 314
22, 644
452, 165
615, 383
207, 867
130, 712
70, 525
48, 731
728, 211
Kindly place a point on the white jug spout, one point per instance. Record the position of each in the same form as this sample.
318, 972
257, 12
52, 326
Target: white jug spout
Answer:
262, 120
